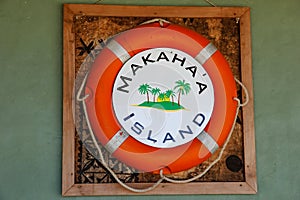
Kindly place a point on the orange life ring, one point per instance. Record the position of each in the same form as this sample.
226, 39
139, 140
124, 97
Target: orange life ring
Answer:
100, 83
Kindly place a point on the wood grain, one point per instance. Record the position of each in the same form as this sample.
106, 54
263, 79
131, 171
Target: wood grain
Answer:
156, 11
69, 188
68, 125
248, 112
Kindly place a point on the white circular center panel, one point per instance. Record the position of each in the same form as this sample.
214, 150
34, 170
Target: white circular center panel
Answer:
163, 97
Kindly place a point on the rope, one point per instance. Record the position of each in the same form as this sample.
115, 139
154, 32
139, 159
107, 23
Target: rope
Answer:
162, 176
105, 165
245, 91
224, 145
211, 3
80, 90
159, 20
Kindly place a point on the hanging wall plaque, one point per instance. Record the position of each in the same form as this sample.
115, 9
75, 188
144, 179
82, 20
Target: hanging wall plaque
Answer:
157, 101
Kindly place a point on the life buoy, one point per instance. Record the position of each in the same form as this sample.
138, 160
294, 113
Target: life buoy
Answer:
101, 82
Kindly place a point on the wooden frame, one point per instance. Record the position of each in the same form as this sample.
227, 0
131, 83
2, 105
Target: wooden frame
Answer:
69, 188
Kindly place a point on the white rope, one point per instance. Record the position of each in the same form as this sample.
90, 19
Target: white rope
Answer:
105, 165
224, 145
162, 176
80, 90
211, 164
245, 91
211, 3
159, 20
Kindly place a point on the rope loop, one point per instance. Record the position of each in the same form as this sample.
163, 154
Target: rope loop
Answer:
239, 105
159, 20
102, 160
162, 176
211, 164
78, 98
245, 91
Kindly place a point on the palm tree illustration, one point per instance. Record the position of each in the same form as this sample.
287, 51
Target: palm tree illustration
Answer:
182, 88
162, 96
145, 89
171, 93
154, 92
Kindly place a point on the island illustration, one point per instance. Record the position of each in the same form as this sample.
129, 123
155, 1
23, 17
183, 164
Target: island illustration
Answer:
164, 100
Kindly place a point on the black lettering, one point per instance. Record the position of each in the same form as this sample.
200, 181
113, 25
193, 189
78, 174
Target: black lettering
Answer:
202, 87
162, 56
186, 132
137, 128
192, 69
145, 60
149, 137
199, 119
168, 137
124, 79
178, 59
128, 117
134, 68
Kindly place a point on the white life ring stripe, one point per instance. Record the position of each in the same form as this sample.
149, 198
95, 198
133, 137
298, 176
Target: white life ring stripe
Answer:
208, 141
115, 142
205, 53
118, 50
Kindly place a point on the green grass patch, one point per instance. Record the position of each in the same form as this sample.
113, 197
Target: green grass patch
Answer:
164, 105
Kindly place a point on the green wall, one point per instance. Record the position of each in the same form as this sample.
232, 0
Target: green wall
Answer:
31, 97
